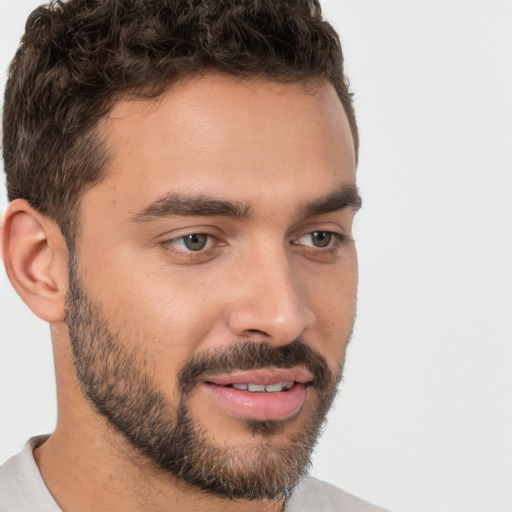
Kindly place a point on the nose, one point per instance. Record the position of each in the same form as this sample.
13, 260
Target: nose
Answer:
269, 302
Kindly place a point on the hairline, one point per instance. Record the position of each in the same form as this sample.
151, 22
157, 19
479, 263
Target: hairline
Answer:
151, 94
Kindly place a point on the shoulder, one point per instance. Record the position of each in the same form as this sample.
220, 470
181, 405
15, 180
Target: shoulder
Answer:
312, 494
22, 488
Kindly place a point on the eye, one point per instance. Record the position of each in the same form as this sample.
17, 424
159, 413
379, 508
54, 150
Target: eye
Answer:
318, 239
193, 242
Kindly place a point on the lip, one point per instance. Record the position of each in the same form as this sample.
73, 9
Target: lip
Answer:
260, 405
264, 376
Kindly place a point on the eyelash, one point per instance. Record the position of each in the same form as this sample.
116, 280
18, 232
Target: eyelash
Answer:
171, 243
336, 240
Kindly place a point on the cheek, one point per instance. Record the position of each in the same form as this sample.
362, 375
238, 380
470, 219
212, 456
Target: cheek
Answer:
164, 312
333, 300
333, 288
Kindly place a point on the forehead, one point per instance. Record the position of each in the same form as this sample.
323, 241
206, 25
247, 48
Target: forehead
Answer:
215, 135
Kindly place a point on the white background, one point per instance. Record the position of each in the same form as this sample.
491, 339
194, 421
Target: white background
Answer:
424, 419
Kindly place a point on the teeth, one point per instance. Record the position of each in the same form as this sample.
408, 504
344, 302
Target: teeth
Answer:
272, 388
261, 388
254, 388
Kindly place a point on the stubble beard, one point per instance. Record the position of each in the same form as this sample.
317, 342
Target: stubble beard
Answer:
118, 381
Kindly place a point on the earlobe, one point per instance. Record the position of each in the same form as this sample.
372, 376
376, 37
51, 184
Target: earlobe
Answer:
35, 258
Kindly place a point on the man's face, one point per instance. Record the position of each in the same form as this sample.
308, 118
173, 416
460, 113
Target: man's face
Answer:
213, 289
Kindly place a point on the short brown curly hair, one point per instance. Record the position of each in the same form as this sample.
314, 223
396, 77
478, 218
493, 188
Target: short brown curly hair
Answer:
77, 57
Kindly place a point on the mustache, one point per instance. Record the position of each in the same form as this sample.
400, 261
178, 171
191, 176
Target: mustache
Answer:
252, 355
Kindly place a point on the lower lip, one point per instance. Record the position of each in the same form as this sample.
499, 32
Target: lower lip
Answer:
259, 406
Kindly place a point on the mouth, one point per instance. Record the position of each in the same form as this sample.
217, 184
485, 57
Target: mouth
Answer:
262, 388
266, 394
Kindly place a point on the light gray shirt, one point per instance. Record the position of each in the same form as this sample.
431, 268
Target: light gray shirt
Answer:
22, 489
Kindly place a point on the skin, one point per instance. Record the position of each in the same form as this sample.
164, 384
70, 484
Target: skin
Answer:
272, 147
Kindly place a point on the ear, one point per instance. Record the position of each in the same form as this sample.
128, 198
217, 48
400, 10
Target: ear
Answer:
35, 257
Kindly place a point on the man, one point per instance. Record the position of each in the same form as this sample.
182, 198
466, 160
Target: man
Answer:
182, 184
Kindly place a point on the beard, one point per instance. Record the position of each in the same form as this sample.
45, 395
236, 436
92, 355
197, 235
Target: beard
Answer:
117, 378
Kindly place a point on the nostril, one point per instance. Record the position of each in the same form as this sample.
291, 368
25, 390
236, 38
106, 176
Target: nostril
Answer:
257, 332
268, 319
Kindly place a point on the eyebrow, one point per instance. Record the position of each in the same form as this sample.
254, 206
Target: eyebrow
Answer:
191, 206
346, 196
181, 205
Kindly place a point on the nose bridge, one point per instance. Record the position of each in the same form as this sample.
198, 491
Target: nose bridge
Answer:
270, 301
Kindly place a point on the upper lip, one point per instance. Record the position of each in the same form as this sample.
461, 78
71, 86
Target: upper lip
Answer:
264, 376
